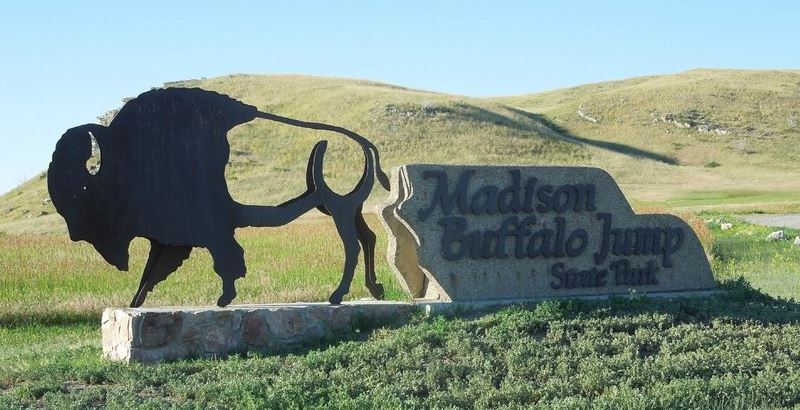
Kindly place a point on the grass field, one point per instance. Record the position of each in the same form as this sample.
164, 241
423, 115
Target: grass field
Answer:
740, 349
48, 278
743, 252
736, 198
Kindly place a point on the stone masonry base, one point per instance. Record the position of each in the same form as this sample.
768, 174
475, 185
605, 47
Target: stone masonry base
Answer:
150, 335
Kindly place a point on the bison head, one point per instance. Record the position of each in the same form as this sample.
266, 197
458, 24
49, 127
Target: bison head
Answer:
78, 193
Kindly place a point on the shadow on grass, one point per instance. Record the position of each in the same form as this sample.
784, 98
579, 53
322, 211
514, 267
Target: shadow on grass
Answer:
360, 330
521, 120
737, 302
606, 145
22, 319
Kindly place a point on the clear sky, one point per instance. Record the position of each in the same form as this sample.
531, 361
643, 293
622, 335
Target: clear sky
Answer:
64, 63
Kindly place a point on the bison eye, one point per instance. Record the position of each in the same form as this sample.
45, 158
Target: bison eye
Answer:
93, 163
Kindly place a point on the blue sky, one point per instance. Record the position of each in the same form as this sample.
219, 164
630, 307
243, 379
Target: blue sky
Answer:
64, 64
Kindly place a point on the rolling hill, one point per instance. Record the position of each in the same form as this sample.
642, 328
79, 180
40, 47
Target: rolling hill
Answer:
702, 137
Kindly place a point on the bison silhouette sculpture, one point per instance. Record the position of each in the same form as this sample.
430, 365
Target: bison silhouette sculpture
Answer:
161, 176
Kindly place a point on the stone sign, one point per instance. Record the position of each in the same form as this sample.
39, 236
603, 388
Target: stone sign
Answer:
477, 233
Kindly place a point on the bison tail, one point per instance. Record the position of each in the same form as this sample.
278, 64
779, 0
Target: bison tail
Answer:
316, 182
382, 177
314, 178
365, 144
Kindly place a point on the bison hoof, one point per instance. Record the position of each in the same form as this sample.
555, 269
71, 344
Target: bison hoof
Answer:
376, 291
226, 299
335, 299
138, 300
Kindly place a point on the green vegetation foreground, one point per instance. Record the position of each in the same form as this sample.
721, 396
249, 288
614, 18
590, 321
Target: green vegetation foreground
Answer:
739, 349
736, 350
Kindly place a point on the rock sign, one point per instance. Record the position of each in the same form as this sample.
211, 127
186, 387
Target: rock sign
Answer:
477, 233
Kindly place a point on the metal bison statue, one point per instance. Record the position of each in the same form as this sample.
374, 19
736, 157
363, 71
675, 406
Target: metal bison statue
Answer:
162, 177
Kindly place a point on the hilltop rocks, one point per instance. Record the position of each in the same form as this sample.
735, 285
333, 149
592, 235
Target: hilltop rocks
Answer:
192, 82
105, 119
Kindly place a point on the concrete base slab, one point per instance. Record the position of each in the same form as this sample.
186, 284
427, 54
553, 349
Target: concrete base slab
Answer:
150, 335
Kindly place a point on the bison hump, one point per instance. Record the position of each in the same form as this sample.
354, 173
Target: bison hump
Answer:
174, 109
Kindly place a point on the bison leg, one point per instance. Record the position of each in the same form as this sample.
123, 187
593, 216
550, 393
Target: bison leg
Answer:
229, 264
345, 224
162, 261
367, 239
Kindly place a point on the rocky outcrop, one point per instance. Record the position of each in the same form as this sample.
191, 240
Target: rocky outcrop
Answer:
776, 236
692, 119
584, 115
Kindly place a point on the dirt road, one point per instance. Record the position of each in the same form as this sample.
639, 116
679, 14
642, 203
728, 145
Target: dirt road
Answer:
778, 221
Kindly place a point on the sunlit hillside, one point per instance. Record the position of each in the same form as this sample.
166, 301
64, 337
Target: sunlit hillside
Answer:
703, 137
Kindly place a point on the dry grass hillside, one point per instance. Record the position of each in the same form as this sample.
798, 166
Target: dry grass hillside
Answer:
736, 130
699, 138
